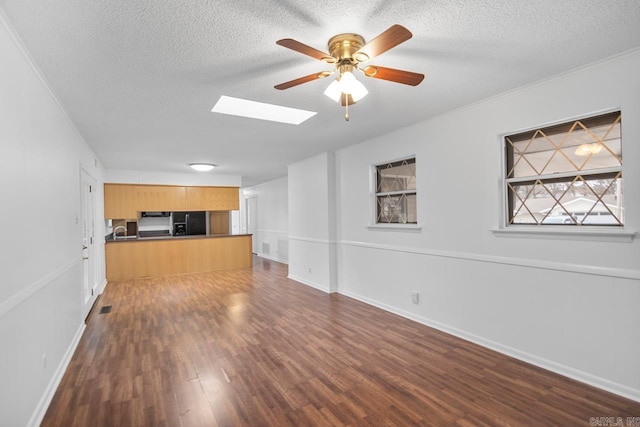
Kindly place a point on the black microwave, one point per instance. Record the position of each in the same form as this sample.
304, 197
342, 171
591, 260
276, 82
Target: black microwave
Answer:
155, 214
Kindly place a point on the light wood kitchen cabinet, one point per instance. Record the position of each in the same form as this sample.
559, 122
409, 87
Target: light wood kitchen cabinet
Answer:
219, 222
134, 259
131, 259
127, 200
120, 201
222, 253
160, 198
212, 198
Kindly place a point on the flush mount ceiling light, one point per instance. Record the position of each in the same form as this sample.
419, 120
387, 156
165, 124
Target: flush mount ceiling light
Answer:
348, 51
202, 167
260, 110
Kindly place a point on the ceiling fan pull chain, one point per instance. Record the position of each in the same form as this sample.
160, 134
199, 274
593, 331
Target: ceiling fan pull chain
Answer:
346, 104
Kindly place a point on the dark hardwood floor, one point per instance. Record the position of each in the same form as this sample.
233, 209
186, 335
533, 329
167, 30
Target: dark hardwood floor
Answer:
250, 347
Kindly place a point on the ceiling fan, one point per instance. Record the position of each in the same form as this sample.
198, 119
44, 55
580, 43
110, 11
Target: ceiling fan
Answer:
347, 52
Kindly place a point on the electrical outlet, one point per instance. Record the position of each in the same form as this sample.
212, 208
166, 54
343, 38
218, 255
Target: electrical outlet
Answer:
309, 270
44, 361
415, 297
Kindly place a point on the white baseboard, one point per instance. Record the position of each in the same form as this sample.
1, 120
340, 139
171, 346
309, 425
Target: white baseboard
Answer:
270, 258
311, 284
584, 377
102, 286
45, 400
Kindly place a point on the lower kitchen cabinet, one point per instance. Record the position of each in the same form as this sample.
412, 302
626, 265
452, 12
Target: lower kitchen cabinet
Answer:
132, 259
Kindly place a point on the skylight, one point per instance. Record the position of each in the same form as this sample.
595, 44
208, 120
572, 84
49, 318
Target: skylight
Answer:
260, 110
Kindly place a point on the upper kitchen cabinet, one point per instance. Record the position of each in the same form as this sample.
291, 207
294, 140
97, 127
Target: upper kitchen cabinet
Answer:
160, 198
212, 198
124, 201
120, 201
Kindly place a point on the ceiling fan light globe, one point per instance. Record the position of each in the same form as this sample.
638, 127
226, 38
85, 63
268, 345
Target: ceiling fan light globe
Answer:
351, 86
347, 82
358, 91
333, 91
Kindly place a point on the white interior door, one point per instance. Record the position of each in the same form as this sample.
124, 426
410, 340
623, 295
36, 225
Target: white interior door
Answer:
235, 222
89, 266
252, 222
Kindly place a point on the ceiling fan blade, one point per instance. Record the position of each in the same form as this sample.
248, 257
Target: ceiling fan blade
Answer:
305, 79
306, 50
393, 75
388, 39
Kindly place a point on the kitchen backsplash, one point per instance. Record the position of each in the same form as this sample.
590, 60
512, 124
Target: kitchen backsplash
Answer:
149, 224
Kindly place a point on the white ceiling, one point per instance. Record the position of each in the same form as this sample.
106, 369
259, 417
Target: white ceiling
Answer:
139, 77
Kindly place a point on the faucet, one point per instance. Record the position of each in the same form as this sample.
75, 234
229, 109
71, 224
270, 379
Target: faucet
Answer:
115, 236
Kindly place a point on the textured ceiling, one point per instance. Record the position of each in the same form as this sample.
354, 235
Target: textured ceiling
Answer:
139, 77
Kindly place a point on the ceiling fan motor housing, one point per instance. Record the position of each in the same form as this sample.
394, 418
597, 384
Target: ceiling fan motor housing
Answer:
343, 46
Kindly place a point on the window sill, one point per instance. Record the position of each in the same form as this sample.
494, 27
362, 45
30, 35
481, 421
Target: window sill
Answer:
410, 228
590, 234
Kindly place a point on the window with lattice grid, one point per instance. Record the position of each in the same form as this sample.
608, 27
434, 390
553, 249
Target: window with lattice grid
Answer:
566, 175
396, 192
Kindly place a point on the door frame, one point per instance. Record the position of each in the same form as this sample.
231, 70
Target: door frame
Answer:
88, 241
253, 200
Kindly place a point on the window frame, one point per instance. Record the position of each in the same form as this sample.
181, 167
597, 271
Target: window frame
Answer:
374, 224
616, 233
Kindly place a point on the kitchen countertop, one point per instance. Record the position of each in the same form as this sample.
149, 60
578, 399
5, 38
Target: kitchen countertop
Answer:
110, 239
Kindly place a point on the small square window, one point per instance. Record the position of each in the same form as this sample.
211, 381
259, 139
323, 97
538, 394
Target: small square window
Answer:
396, 192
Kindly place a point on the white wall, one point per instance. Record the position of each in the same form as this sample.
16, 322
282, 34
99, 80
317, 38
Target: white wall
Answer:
272, 232
565, 304
118, 176
41, 295
312, 222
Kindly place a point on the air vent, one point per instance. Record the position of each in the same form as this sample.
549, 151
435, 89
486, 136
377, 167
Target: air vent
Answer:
105, 309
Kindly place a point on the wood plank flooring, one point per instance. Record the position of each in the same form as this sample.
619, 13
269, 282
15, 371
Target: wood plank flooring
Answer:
252, 348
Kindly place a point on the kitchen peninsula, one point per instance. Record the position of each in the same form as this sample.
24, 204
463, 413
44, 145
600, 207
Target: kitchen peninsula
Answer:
162, 256
130, 255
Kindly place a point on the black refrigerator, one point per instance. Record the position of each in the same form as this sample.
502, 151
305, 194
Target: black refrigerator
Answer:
189, 223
